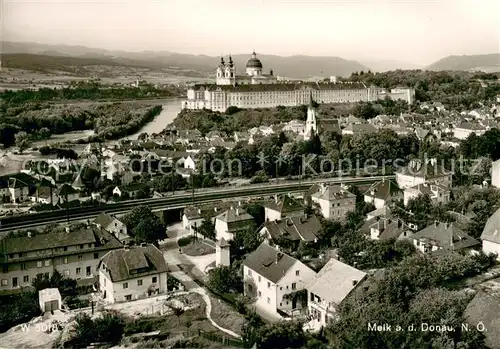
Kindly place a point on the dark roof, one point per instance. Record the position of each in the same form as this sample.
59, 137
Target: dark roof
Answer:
384, 189
285, 204
491, 231
389, 228
269, 262
306, 228
237, 214
104, 219
319, 86
86, 235
67, 189
447, 236
254, 62
360, 128
134, 262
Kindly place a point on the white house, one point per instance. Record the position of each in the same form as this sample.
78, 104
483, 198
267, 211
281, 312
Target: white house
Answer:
443, 236
438, 193
383, 193
49, 299
464, 130
18, 190
271, 277
231, 221
112, 225
335, 202
328, 289
495, 174
418, 173
491, 235
189, 163
132, 273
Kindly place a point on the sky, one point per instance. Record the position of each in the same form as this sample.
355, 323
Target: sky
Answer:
419, 31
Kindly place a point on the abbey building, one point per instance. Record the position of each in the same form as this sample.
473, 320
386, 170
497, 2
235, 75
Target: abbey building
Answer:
258, 90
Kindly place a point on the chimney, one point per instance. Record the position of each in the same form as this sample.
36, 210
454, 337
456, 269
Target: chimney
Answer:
215, 209
29, 234
143, 244
354, 282
126, 247
279, 255
446, 225
239, 203
237, 211
436, 223
67, 229
276, 199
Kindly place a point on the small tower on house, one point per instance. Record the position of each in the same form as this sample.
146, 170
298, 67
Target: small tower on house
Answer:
222, 254
311, 127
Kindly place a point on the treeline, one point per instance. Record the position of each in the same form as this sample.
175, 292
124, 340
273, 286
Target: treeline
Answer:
276, 155
487, 145
235, 119
83, 91
109, 121
457, 90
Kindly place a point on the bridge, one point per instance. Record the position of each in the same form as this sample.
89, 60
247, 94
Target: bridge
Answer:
173, 201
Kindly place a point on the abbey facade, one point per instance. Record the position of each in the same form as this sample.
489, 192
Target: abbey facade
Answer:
259, 90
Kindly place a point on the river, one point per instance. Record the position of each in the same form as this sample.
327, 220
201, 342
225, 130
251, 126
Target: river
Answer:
171, 107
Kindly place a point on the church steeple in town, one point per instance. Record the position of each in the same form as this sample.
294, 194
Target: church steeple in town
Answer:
311, 127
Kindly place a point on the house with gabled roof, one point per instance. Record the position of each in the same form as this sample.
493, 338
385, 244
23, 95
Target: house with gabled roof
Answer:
132, 273
418, 172
328, 289
491, 235
231, 221
283, 207
67, 193
438, 193
112, 225
443, 237
272, 277
334, 201
383, 193
358, 129
305, 228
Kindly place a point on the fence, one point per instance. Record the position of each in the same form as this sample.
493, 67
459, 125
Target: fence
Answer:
214, 337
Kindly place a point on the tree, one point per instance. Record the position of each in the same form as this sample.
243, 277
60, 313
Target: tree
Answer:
22, 141
246, 240
44, 133
149, 230
178, 311
224, 279
144, 225
207, 228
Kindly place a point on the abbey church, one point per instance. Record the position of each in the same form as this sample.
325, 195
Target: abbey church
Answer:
258, 90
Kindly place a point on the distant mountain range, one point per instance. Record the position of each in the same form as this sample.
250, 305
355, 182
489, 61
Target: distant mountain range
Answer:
486, 63
293, 66
298, 66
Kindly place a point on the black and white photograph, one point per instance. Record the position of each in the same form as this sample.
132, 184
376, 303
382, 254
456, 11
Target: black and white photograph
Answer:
223, 174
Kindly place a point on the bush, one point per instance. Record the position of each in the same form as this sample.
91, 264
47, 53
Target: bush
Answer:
185, 241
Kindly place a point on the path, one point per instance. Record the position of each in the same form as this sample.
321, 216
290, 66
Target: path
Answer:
171, 253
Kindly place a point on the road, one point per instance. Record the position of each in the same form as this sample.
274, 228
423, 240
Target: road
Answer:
178, 200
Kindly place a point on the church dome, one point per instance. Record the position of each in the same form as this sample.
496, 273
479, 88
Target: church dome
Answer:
254, 62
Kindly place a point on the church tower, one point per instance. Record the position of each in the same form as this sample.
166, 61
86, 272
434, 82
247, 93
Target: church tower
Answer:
311, 127
220, 73
229, 72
